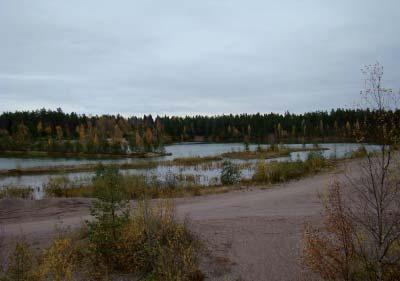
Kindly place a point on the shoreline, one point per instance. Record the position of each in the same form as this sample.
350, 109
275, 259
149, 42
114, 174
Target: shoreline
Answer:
70, 155
258, 216
186, 161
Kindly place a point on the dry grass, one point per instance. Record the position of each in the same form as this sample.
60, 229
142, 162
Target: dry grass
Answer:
274, 151
193, 161
284, 171
187, 161
151, 245
16, 192
137, 187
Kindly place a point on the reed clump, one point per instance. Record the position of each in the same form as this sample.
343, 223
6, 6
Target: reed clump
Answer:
16, 192
283, 171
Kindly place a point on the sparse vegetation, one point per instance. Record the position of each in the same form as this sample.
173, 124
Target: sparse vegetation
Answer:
16, 192
283, 171
155, 246
185, 161
273, 151
62, 186
360, 152
19, 264
149, 244
134, 186
361, 237
192, 161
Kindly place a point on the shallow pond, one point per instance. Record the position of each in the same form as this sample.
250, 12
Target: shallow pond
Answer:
177, 150
203, 176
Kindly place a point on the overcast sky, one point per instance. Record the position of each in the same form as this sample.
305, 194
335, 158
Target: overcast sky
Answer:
193, 57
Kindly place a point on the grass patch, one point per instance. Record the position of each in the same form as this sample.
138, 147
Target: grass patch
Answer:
16, 192
192, 161
273, 151
360, 152
284, 171
135, 186
59, 169
75, 168
62, 186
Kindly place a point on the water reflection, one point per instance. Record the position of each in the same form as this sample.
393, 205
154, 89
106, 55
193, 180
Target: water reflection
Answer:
204, 175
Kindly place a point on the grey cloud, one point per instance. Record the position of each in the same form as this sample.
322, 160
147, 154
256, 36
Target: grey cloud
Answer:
192, 57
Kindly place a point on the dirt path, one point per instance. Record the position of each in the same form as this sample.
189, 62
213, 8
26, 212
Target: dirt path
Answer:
252, 235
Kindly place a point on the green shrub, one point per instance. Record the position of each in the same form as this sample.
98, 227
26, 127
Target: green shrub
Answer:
149, 244
230, 173
57, 187
110, 211
154, 245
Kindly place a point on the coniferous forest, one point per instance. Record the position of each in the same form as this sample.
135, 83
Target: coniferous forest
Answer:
56, 131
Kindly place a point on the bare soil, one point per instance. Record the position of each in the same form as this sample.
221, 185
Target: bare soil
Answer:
253, 234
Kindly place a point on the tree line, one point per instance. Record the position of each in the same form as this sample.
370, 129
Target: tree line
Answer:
55, 130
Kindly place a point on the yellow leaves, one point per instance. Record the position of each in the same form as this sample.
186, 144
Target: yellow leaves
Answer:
95, 139
138, 139
153, 240
331, 252
148, 136
319, 254
48, 130
57, 262
39, 127
151, 244
22, 133
59, 132
117, 134
82, 133
20, 263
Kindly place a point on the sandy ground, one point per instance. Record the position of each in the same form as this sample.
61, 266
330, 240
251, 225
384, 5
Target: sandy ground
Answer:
253, 234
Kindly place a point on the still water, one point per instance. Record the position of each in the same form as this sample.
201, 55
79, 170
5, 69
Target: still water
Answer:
177, 150
204, 176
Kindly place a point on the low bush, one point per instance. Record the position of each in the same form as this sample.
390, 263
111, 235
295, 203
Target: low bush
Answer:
230, 173
57, 187
149, 245
154, 245
58, 262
